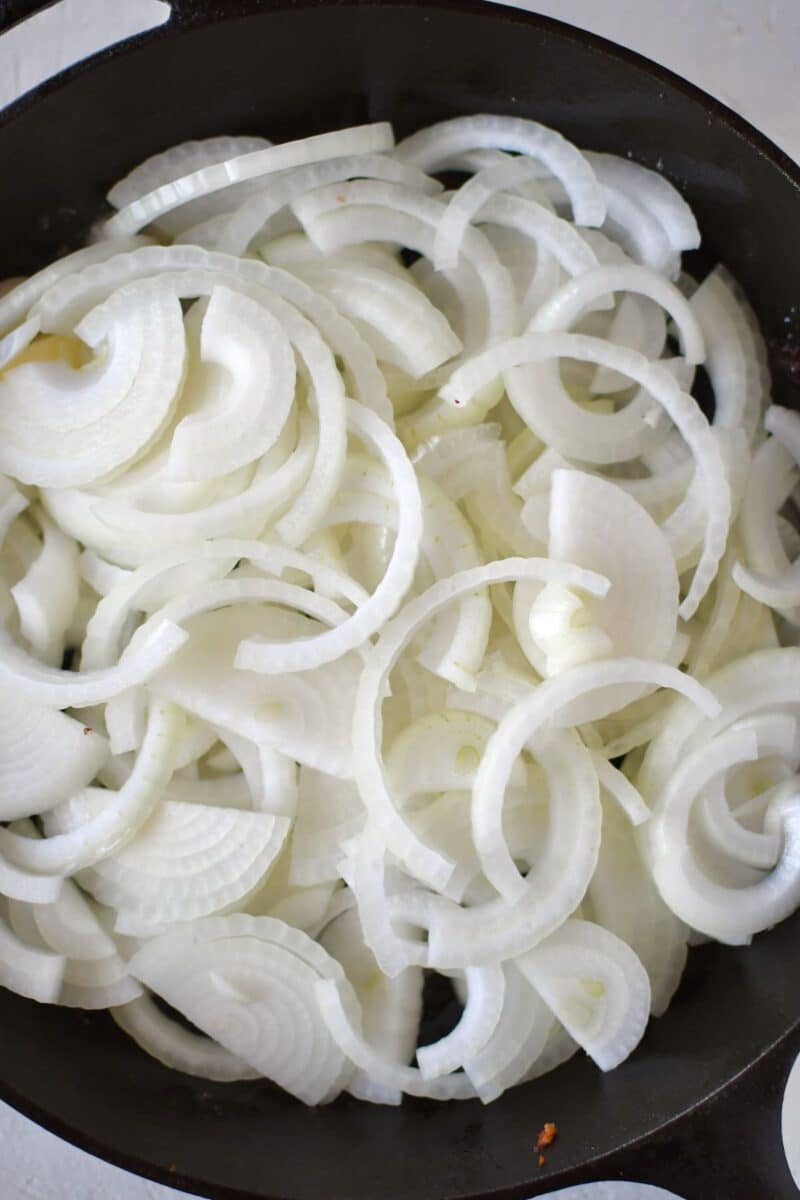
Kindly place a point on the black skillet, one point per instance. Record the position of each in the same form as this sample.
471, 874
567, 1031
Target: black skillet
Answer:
696, 1107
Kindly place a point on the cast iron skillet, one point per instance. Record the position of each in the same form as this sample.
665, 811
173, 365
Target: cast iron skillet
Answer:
696, 1107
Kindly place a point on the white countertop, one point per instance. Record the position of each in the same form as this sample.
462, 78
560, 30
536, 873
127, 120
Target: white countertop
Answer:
746, 52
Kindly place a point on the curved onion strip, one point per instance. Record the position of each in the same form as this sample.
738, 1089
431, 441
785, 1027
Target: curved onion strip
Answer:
244, 339
617, 785
28, 970
106, 625
16, 303
279, 657
244, 224
595, 985
341, 1014
51, 686
65, 428
128, 809
45, 756
17, 340
250, 983
431, 147
390, 1008
790, 1121
47, 595
423, 863
177, 1047
575, 296
729, 914
361, 139
186, 861
401, 324
485, 994
555, 236
653, 190
386, 212
553, 702
469, 379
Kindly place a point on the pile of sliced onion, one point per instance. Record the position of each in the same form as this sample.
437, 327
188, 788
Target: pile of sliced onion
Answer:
377, 600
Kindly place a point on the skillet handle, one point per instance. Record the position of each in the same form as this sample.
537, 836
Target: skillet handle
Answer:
14, 11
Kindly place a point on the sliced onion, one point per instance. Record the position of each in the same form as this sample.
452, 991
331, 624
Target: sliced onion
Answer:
466, 381
178, 1047
277, 657
595, 985
118, 822
186, 861
361, 139
432, 147
45, 756
367, 720
251, 984
29, 971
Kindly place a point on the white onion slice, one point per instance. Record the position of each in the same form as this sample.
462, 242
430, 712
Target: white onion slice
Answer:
595, 985
128, 809
63, 427
428, 866
244, 340
29, 971
250, 983
45, 756
469, 379
186, 861
554, 703
279, 657
431, 147
176, 1046
361, 139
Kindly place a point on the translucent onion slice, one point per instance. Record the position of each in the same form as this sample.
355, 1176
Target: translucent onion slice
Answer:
396, 317
177, 1047
425, 865
623, 898
47, 595
386, 212
485, 993
38, 684
727, 913
595, 985
306, 715
390, 1008
14, 304
45, 756
653, 190
599, 527
186, 861
119, 821
469, 379
517, 1042
279, 657
361, 139
477, 201
430, 148
275, 195
177, 162
341, 1013
243, 340
29, 971
251, 984
63, 427
553, 703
